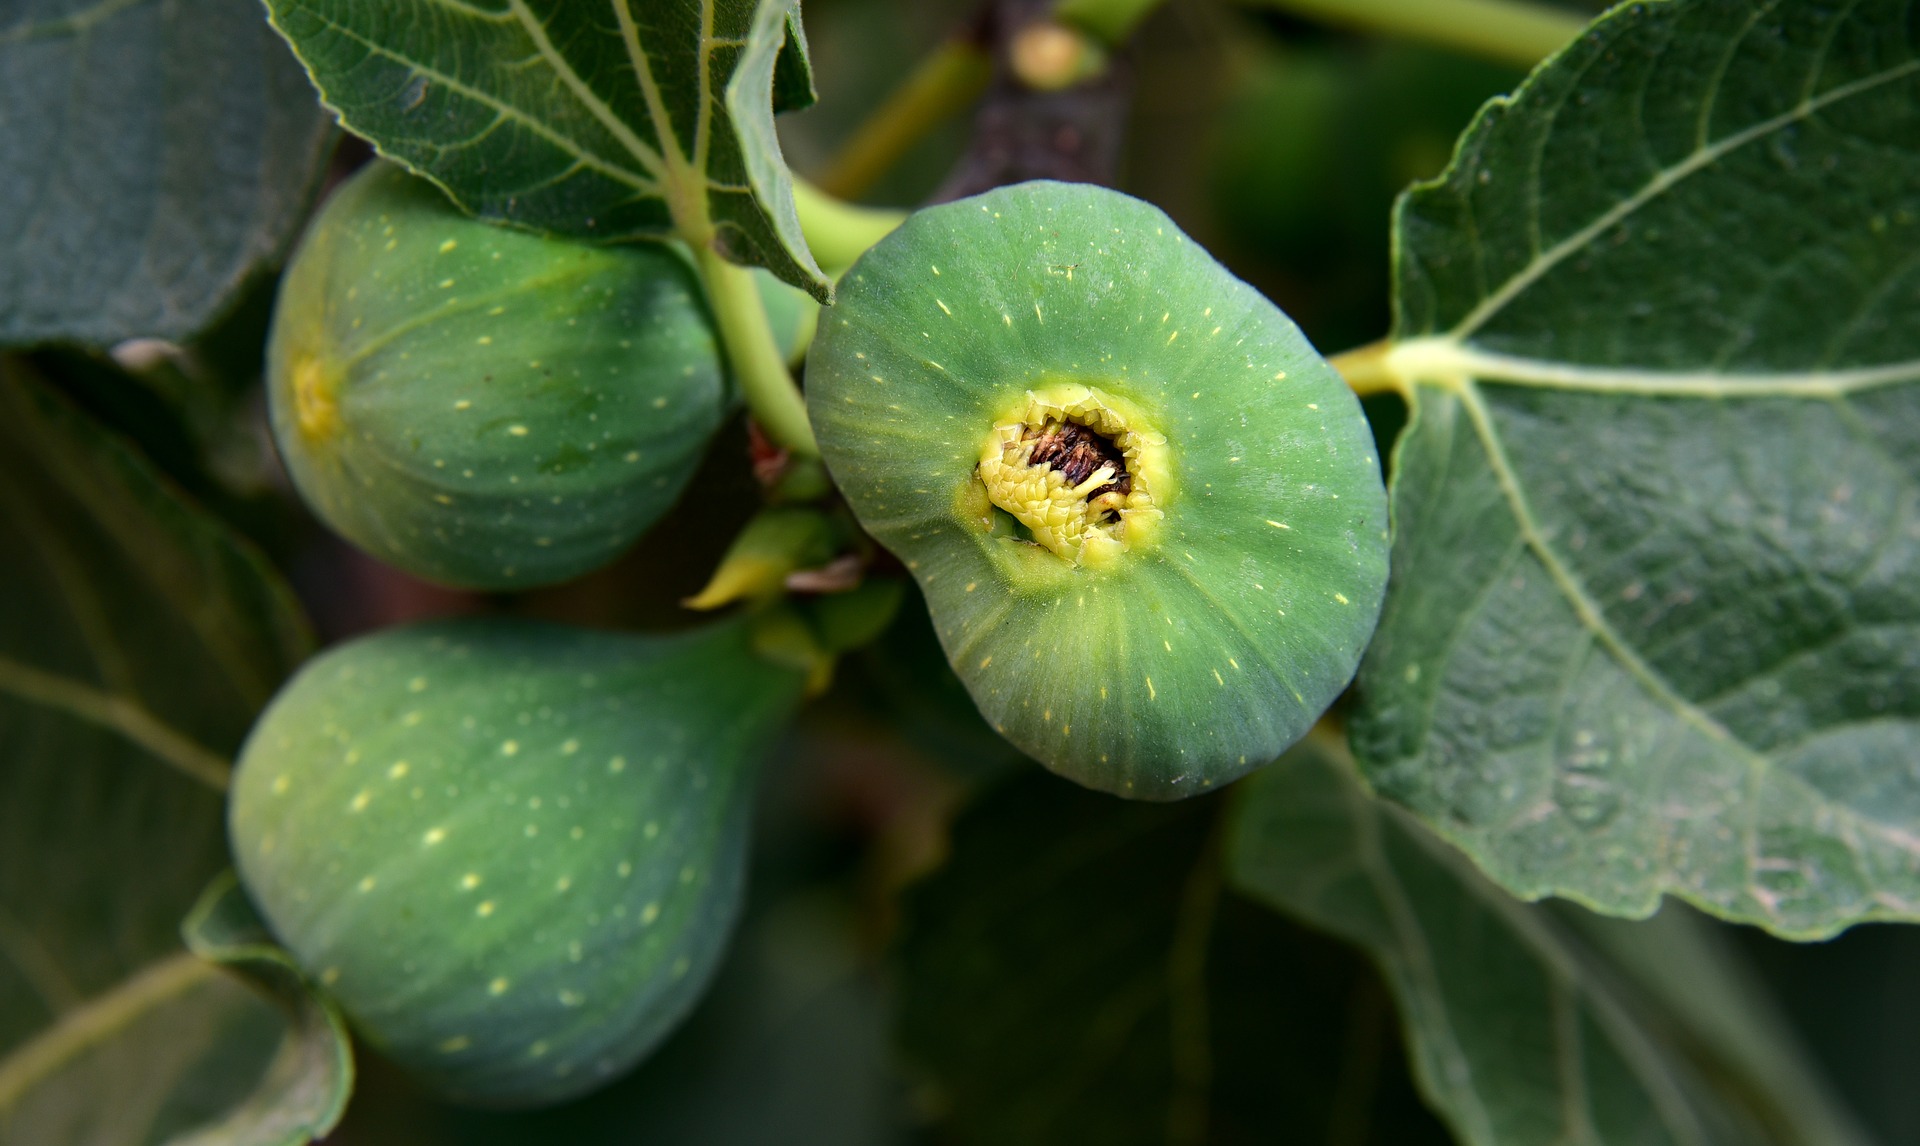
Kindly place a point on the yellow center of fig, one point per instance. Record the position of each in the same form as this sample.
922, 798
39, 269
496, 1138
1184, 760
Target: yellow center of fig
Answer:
1078, 468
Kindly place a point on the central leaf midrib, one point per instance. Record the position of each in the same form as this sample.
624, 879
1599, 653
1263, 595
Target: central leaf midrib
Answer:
683, 176
1443, 361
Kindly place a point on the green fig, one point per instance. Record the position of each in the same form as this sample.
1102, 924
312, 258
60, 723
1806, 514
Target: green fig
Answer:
512, 852
480, 406
1146, 515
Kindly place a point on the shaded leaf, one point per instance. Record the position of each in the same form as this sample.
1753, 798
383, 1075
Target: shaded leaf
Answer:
610, 121
137, 639
1655, 621
152, 155
1077, 973
1529, 1022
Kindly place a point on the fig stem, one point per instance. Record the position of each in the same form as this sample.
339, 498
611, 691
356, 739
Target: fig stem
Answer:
1368, 370
839, 232
772, 398
942, 86
1514, 32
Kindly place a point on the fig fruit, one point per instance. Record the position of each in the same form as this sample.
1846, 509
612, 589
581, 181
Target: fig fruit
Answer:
484, 407
511, 851
1146, 515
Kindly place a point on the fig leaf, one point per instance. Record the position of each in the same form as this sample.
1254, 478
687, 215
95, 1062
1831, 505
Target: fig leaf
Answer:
603, 121
1656, 573
152, 157
1530, 1022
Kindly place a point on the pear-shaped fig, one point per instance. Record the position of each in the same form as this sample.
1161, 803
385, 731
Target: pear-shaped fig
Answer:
511, 851
481, 406
1146, 515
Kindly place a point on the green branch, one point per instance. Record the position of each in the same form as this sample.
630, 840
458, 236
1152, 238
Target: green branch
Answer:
772, 398
944, 84
838, 232
1511, 31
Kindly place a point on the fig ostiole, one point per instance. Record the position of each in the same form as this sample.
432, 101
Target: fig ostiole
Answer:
511, 851
484, 407
1146, 515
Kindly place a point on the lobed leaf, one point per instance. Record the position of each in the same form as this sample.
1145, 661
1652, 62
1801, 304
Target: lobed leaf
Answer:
138, 642
152, 156
1654, 626
1529, 1023
605, 120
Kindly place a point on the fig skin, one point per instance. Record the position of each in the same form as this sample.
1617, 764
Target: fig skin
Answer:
483, 407
512, 852
1213, 605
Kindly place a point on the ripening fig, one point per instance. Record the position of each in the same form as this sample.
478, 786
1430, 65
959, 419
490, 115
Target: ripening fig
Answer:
480, 406
511, 851
1146, 515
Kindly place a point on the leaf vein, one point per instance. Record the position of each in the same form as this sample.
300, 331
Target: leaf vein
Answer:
1664, 180
589, 99
1417, 960
118, 713
101, 1017
1576, 595
501, 107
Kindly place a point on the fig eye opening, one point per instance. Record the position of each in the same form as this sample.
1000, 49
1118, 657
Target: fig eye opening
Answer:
1080, 469
1083, 456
